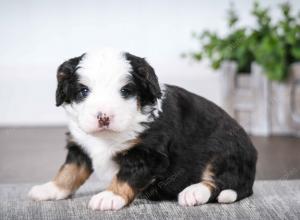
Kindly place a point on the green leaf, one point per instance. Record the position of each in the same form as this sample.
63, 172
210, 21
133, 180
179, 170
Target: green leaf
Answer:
296, 52
272, 44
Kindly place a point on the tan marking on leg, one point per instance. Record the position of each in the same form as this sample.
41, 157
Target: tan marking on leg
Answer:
207, 177
130, 144
71, 176
122, 189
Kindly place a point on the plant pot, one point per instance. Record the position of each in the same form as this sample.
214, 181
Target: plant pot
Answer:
285, 103
261, 106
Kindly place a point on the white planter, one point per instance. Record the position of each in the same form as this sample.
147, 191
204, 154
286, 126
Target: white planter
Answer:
261, 106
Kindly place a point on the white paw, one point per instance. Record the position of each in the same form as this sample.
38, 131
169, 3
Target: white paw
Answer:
227, 196
106, 200
195, 194
47, 191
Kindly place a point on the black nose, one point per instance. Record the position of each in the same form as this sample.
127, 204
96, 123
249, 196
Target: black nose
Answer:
103, 120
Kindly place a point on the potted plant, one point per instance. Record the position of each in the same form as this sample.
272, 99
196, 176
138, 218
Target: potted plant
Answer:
277, 50
260, 70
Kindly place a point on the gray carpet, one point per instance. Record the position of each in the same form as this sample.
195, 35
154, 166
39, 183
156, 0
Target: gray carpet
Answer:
271, 200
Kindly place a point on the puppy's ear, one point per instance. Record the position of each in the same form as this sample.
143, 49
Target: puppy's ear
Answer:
66, 76
145, 79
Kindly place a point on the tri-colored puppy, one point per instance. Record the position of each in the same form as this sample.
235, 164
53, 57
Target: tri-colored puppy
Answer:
143, 137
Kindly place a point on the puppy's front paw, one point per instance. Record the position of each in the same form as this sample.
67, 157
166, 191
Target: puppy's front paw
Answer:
106, 200
47, 191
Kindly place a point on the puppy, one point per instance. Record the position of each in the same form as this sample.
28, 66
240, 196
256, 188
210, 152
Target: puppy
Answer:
141, 137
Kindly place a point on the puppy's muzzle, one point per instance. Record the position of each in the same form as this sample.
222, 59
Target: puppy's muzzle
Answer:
103, 120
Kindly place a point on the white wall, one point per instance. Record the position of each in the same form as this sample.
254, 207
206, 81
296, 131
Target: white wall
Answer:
36, 36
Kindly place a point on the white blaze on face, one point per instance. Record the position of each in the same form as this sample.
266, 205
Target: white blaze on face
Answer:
104, 72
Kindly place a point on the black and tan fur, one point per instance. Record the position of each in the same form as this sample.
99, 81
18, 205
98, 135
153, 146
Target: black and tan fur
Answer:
191, 141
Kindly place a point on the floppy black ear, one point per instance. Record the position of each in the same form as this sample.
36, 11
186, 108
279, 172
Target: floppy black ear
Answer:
66, 79
145, 79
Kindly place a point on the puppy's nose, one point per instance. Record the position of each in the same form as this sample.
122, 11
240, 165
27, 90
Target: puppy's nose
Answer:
103, 120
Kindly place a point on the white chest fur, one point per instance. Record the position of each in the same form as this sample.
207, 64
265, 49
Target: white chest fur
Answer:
101, 150
104, 167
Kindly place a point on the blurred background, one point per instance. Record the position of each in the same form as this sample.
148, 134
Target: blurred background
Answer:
36, 36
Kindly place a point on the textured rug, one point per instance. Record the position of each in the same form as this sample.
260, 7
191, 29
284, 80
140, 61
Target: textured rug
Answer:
271, 200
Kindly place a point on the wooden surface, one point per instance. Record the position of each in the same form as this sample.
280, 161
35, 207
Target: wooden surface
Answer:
35, 154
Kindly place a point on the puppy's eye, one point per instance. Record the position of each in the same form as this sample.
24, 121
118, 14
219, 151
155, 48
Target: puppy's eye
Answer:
127, 91
84, 92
